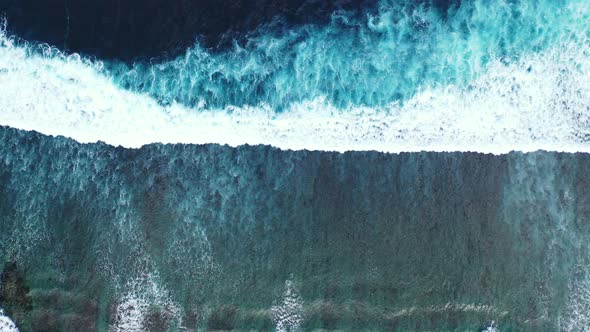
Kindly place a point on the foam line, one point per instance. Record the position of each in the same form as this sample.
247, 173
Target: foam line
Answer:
541, 101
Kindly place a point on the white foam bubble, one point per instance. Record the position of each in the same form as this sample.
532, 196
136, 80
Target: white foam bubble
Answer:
541, 101
6, 324
288, 313
491, 328
576, 316
142, 296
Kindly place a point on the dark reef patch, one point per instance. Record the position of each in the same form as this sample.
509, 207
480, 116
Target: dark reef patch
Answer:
14, 297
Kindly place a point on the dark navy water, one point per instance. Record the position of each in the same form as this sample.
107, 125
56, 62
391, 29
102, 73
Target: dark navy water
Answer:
132, 29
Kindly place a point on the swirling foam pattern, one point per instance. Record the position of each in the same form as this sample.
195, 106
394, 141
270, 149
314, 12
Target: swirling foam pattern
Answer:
296, 225
482, 77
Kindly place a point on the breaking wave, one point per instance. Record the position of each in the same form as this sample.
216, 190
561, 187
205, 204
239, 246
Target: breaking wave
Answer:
480, 78
6, 324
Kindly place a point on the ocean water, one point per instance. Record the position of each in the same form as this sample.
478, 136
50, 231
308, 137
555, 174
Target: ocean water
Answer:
255, 238
295, 166
485, 77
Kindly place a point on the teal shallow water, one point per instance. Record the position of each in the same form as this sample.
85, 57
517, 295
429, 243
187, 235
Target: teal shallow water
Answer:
212, 237
382, 53
386, 54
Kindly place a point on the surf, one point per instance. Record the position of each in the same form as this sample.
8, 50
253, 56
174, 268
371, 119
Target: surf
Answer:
524, 94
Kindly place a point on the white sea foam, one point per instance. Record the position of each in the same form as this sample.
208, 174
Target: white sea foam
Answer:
541, 101
144, 296
6, 324
288, 313
576, 316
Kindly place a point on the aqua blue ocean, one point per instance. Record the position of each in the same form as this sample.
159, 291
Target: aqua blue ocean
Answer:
375, 165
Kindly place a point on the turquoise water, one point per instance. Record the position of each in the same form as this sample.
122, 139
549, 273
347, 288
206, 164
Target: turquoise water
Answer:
385, 55
479, 76
174, 237
401, 166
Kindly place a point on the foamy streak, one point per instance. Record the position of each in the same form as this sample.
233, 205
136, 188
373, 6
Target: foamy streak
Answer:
6, 324
385, 55
540, 102
143, 296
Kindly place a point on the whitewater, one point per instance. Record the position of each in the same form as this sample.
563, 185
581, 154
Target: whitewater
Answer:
257, 221
495, 101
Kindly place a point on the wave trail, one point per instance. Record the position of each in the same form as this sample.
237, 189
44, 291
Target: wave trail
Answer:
539, 101
388, 54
